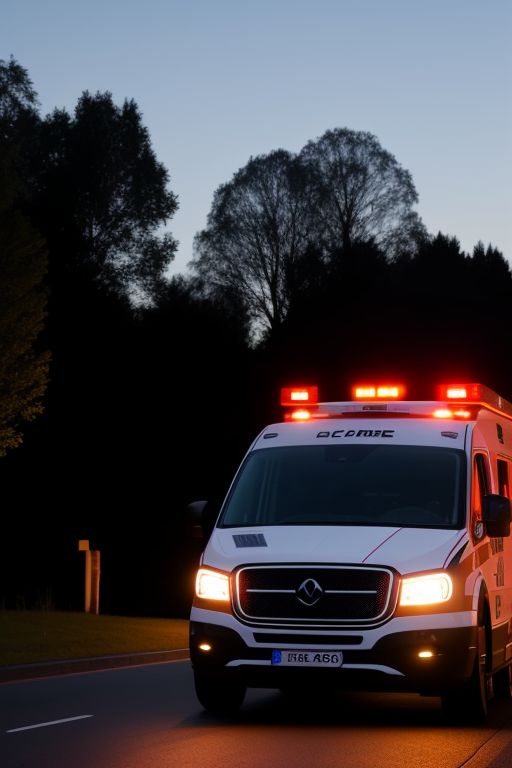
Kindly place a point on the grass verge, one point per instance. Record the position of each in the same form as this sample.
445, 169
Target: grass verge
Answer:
27, 637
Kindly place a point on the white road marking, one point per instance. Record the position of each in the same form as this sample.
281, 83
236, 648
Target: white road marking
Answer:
50, 722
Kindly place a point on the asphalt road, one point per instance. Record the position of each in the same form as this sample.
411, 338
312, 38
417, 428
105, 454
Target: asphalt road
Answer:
148, 717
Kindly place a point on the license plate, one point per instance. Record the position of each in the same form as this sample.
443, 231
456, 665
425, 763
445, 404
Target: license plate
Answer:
307, 658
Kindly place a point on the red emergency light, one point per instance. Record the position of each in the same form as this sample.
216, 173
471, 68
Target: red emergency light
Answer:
378, 392
299, 396
475, 394
470, 392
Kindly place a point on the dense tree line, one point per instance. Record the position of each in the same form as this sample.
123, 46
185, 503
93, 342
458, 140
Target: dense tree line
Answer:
311, 267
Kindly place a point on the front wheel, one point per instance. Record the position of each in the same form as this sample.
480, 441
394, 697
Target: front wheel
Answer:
219, 695
469, 703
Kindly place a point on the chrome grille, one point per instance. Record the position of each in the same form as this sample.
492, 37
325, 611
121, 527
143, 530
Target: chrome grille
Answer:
306, 595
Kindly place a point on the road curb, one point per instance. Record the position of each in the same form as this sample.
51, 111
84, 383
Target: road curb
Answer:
93, 664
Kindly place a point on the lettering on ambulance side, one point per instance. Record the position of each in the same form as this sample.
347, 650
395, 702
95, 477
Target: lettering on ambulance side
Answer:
500, 573
341, 433
497, 545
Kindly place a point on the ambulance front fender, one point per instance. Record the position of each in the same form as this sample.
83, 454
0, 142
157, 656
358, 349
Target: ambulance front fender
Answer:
480, 596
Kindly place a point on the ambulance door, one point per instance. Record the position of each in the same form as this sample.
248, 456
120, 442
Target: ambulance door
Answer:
502, 573
490, 553
484, 547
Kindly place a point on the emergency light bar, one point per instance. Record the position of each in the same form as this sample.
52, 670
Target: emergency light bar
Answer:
453, 401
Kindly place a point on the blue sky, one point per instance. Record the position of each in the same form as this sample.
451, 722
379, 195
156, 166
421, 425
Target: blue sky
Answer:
219, 81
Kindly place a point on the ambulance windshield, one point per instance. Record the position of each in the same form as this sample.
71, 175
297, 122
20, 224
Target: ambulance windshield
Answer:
404, 486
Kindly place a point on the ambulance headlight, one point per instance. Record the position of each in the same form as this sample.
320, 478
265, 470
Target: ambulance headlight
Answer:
212, 585
426, 590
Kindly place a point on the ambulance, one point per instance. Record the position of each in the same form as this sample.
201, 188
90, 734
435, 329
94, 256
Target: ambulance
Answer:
364, 545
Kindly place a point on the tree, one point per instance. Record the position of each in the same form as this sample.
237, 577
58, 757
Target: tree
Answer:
103, 197
491, 266
18, 100
258, 228
23, 263
24, 369
19, 125
283, 216
362, 193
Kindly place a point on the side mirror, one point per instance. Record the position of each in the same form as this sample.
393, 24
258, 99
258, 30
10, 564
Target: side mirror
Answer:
496, 515
195, 513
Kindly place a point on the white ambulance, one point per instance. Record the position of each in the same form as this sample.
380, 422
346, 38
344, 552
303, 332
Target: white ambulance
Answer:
364, 545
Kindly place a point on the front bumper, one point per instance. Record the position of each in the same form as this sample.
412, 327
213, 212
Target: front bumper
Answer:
391, 664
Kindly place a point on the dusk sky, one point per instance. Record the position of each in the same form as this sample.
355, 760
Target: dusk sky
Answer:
220, 81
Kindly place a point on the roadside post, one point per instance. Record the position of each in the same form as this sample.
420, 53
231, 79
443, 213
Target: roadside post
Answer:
92, 577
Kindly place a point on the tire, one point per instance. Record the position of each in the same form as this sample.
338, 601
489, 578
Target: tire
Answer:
469, 704
502, 683
219, 695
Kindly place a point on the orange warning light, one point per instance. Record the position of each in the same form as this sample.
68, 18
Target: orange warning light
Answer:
300, 415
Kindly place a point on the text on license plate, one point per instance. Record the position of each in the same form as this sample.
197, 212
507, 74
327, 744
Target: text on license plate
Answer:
307, 658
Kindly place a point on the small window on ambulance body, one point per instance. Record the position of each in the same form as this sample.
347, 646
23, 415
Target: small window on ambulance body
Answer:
503, 480
479, 488
482, 474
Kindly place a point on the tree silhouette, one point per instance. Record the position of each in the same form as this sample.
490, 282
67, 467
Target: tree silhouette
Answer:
362, 193
491, 267
18, 99
24, 369
102, 196
282, 217
23, 264
258, 227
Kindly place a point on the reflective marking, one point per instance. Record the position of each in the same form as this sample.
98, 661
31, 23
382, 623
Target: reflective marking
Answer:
376, 667
326, 591
50, 722
264, 663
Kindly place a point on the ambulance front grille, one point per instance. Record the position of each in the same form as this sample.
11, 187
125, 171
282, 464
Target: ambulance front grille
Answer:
314, 595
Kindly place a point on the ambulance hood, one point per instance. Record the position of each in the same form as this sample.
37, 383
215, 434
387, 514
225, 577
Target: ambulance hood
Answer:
405, 549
